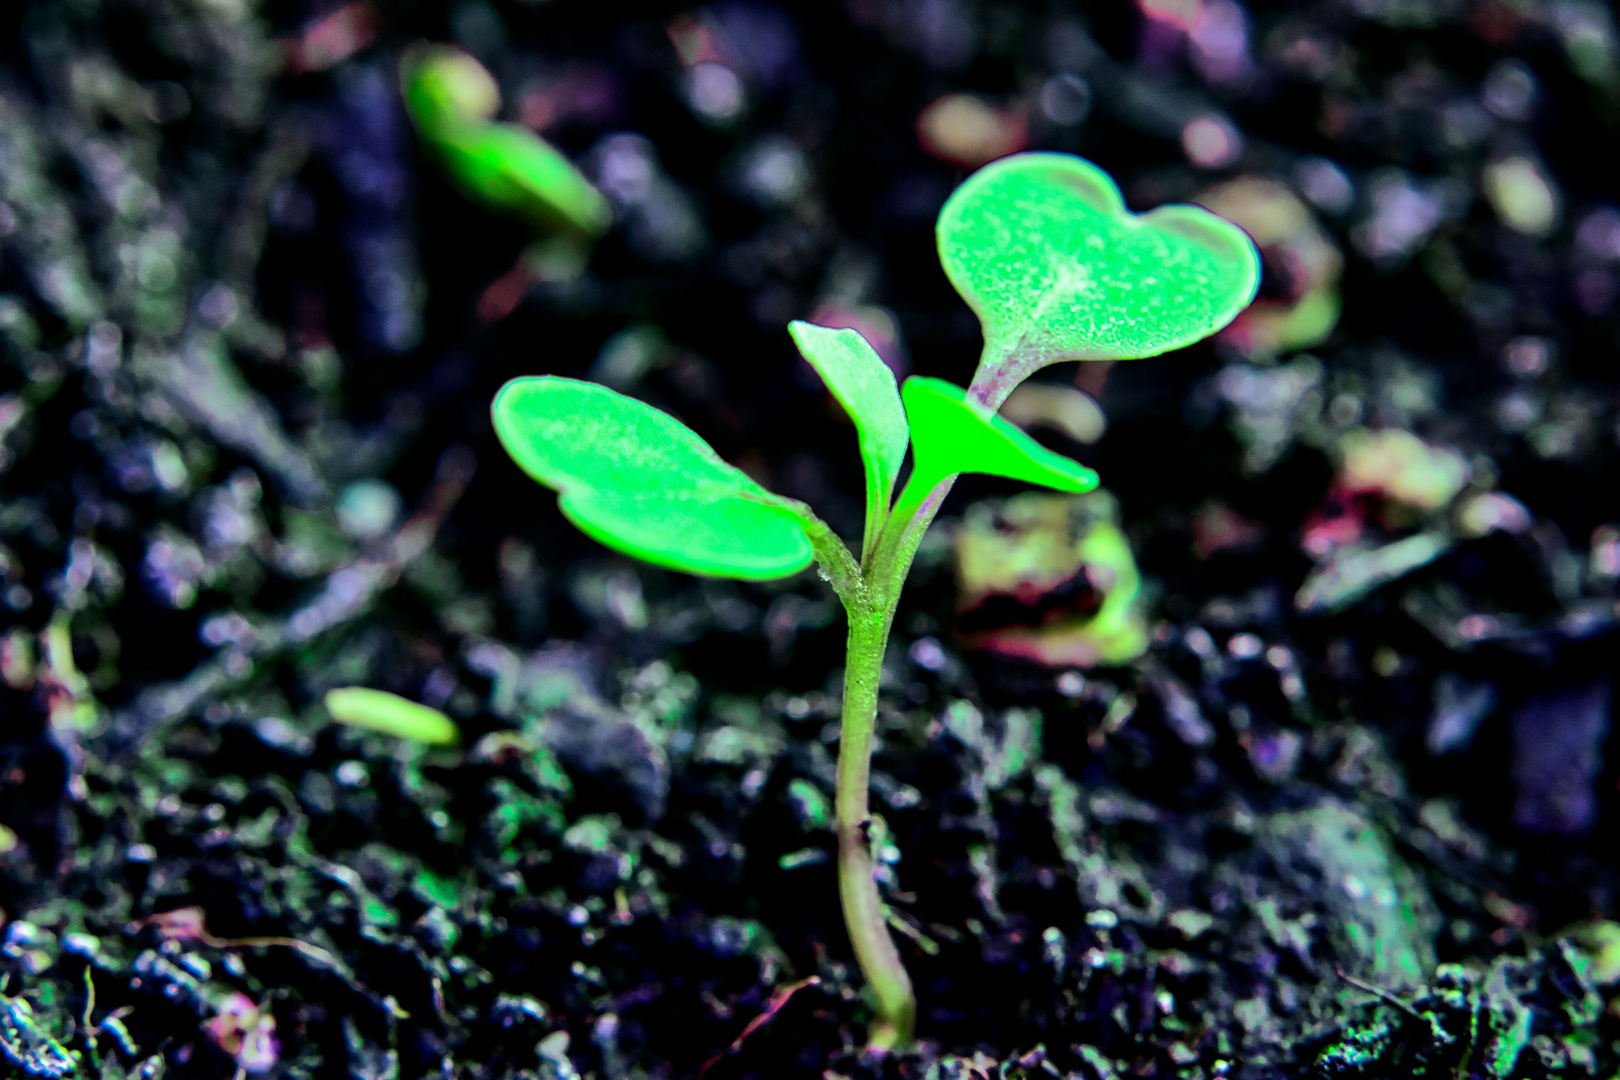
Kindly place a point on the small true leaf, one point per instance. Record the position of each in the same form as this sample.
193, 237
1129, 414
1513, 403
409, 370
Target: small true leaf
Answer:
641, 482
866, 388
950, 434
391, 714
1044, 251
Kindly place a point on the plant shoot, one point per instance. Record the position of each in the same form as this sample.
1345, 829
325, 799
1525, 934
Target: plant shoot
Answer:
1044, 251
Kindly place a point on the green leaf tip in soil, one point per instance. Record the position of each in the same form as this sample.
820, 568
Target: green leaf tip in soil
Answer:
866, 388
951, 434
451, 97
378, 710
643, 483
1043, 249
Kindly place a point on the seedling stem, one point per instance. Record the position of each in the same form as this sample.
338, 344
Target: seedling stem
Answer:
870, 601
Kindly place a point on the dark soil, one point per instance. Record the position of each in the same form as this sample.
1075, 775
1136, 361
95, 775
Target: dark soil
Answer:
250, 334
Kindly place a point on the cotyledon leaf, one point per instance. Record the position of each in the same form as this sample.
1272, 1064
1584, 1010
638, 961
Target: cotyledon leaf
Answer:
443, 85
866, 388
451, 96
951, 433
1044, 251
641, 482
514, 168
391, 714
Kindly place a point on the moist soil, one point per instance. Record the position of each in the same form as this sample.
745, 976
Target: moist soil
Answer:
1350, 813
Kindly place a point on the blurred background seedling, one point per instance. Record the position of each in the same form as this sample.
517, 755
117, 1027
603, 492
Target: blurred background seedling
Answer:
390, 714
452, 99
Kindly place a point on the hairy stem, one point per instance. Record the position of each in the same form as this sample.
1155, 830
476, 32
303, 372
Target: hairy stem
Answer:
870, 591
864, 912
870, 594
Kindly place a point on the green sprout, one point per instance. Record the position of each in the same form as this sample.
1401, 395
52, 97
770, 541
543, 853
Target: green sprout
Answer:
1044, 251
378, 710
450, 98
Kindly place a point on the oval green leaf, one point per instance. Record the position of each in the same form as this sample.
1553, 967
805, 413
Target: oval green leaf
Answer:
641, 482
443, 85
514, 168
951, 434
378, 710
450, 97
865, 386
1044, 251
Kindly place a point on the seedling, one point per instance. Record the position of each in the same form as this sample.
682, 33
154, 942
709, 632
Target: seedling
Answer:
1043, 250
451, 97
378, 710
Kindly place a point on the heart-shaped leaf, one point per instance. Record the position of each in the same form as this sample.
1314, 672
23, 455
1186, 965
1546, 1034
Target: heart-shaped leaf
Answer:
951, 433
865, 387
641, 482
1044, 251
444, 85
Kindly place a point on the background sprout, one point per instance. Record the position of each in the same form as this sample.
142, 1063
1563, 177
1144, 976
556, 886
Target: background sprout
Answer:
1021, 551
1041, 246
451, 98
390, 714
